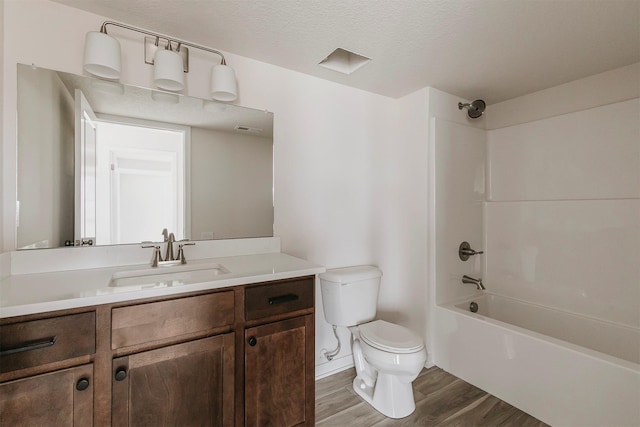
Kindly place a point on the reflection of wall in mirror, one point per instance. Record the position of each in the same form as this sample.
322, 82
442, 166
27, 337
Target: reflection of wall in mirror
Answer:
46, 196
243, 205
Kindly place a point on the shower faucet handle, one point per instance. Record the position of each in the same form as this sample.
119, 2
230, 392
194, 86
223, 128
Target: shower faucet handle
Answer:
465, 251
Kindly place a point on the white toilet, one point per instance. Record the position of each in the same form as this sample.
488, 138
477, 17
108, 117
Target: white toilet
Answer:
387, 357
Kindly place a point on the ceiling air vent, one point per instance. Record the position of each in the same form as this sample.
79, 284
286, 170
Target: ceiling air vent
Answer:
344, 61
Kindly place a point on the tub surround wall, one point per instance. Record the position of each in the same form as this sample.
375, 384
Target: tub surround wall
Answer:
460, 190
455, 192
561, 226
563, 215
612, 86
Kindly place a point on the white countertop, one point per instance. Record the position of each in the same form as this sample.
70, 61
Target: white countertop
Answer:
44, 292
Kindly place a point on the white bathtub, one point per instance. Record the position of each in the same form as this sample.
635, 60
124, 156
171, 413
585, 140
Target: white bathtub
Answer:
561, 368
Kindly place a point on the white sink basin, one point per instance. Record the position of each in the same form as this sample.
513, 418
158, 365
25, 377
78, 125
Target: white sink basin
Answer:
168, 276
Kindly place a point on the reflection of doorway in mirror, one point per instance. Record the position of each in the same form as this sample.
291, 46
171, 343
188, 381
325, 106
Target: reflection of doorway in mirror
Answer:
140, 182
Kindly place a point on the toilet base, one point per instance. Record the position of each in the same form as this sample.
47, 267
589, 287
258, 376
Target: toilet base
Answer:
390, 396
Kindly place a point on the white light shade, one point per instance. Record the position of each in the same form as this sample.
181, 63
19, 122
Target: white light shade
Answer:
102, 55
223, 83
168, 70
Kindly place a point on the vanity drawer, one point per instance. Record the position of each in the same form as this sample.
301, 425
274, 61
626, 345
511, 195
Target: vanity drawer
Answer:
278, 298
37, 342
155, 321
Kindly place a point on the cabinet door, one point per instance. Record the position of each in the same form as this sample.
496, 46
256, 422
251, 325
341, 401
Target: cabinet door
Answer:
279, 373
61, 398
189, 384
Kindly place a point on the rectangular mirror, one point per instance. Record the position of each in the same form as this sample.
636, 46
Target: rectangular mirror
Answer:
101, 163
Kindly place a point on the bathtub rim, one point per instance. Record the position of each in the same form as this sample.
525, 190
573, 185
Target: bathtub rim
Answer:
594, 354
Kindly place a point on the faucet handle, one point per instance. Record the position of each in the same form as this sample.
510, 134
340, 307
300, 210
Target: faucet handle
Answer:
181, 251
465, 251
157, 256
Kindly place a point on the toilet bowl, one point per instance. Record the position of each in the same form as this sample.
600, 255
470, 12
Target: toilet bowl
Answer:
387, 357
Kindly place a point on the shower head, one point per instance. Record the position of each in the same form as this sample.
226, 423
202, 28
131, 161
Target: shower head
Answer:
475, 109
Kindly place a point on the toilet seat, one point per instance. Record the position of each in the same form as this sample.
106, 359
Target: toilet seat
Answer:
390, 337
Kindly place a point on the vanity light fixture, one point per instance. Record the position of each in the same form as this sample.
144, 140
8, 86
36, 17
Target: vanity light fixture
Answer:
169, 56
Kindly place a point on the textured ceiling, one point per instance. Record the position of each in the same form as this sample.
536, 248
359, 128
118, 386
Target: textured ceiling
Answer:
490, 49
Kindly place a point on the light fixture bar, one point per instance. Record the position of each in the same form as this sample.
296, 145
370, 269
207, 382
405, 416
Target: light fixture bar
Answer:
103, 29
168, 55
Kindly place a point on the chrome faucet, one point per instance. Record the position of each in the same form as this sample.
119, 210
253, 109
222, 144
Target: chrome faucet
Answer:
169, 259
473, 281
168, 255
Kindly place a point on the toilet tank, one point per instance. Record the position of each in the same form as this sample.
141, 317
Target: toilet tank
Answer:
350, 294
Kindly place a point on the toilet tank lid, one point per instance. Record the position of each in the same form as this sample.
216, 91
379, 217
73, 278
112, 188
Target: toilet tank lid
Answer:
351, 274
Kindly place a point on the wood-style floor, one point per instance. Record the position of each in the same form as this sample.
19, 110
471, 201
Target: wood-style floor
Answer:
441, 400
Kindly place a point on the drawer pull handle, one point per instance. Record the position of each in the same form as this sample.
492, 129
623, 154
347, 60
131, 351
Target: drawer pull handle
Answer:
253, 341
32, 345
283, 298
121, 374
82, 384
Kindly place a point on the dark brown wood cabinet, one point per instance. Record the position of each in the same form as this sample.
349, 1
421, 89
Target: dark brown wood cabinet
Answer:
242, 355
279, 373
188, 384
279, 369
34, 343
59, 398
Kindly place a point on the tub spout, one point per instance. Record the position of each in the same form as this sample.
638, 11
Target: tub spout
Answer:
473, 281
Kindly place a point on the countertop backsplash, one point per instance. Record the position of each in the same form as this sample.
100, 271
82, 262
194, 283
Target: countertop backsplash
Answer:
80, 258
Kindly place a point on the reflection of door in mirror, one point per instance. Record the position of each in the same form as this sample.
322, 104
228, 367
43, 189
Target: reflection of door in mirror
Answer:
140, 180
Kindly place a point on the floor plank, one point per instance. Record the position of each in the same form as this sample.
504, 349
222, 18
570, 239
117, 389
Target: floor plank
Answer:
441, 400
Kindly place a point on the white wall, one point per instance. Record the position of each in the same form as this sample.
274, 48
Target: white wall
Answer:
400, 217
563, 216
348, 184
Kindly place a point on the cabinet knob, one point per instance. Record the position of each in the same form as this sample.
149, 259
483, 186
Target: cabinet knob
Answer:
253, 341
121, 374
82, 384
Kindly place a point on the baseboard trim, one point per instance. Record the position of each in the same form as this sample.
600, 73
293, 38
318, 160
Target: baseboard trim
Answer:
340, 364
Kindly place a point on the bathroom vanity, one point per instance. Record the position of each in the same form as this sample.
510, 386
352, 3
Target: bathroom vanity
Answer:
236, 349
